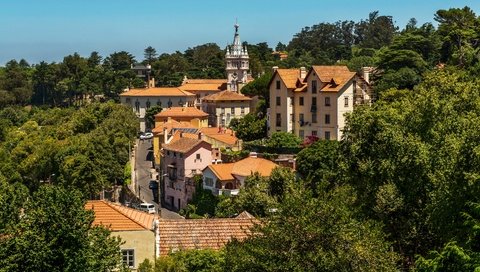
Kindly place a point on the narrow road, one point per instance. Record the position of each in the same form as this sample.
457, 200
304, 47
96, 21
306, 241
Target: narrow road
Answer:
143, 164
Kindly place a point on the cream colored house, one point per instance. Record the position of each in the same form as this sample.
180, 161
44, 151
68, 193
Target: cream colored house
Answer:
202, 87
314, 103
142, 99
138, 230
224, 106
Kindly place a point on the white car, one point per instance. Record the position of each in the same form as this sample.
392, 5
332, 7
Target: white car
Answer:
147, 207
146, 136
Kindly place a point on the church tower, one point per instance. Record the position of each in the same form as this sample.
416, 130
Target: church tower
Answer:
236, 60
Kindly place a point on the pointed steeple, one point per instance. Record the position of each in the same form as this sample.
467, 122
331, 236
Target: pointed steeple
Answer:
236, 59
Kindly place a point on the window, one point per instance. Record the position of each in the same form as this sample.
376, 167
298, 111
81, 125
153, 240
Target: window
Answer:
292, 101
198, 157
278, 101
346, 101
159, 103
172, 172
327, 118
279, 120
301, 101
170, 103
314, 133
222, 111
128, 257
278, 84
232, 110
209, 182
300, 119
354, 86
327, 101
242, 110
327, 135
137, 106
314, 86
314, 104
148, 104
301, 134
128, 100
314, 117
292, 118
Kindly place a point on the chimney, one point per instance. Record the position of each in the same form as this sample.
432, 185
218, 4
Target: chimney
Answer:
303, 72
275, 68
366, 73
165, 135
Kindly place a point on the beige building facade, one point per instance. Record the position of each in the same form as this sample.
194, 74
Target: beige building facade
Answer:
314, 102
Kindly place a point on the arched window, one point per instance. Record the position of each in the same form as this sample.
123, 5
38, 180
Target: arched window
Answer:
137, 106
148, 104
159, 103
170, 103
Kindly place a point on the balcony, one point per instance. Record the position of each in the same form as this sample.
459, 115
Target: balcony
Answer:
226, 192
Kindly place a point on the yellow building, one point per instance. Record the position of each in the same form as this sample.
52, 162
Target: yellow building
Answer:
314, 103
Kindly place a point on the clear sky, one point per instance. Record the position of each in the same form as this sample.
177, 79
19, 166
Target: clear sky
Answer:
51, 29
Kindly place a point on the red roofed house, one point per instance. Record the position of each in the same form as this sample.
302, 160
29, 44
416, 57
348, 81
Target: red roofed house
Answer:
315, 103
136, 228
228, 178
181, 160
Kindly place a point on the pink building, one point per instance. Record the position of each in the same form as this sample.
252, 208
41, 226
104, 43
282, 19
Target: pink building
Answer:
182, 160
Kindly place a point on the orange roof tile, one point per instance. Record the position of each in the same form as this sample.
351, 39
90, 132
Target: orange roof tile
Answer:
222, 171
335, 77
163, 91
197, 85
289, 77
202, 233
182, 145
250, 165
221, 134
169, 125
179, 134
119, 218
226, 96
181, 112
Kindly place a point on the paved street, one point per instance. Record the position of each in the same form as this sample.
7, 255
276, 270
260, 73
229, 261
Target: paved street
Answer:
143, 165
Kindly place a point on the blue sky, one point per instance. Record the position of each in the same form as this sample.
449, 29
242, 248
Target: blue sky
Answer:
51, 29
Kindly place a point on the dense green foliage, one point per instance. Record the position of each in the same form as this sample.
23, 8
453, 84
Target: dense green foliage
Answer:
51, 231
309, 233
85, 149
187, 261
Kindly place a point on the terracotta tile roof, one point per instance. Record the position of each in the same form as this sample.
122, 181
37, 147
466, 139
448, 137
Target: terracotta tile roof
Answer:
221, 134
226, 96
197, 85
202, 233
163, 91
250, 165
182, 145
289, 77
244, 168
179, 134
169, 125
181, 112
222, 171
335, 76
118, 217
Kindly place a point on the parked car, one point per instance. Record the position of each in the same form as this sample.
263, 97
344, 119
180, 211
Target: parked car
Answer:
146, 136
147, 207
